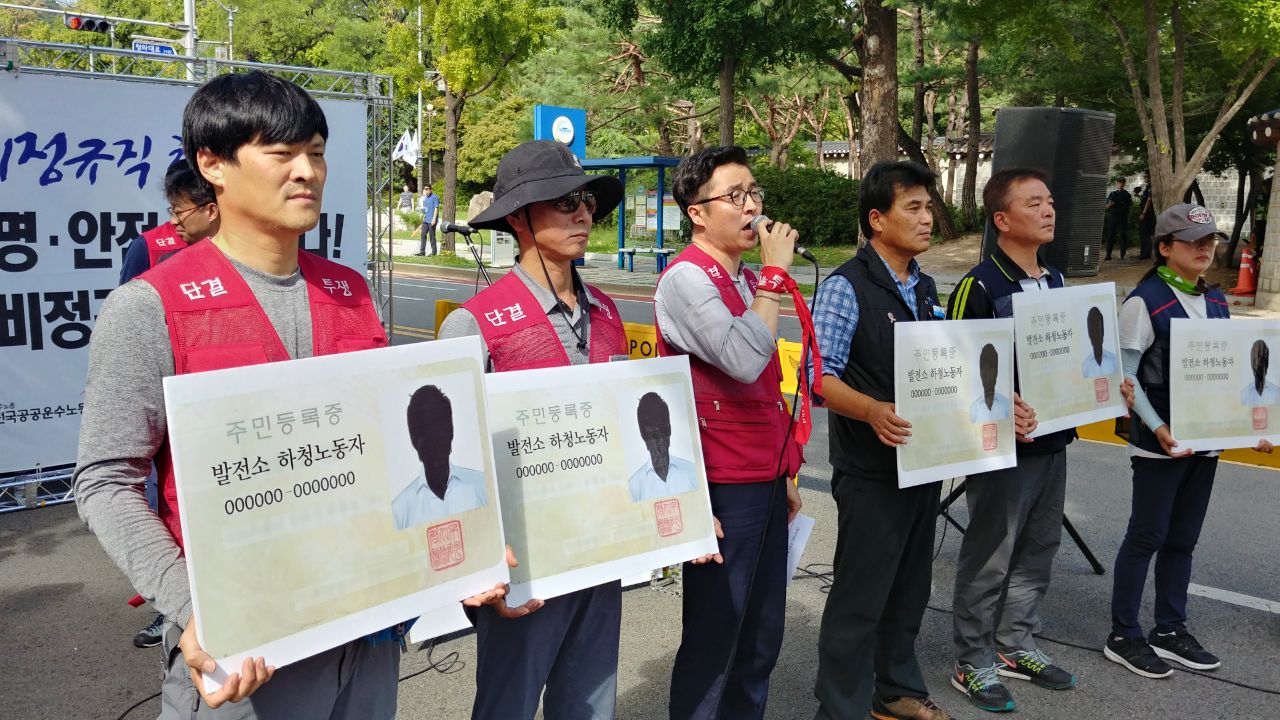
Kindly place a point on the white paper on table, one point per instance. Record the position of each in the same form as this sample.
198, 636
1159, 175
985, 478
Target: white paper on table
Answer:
1214, 400
323, 563
798, 531
938, 388
1059, 372
567, 503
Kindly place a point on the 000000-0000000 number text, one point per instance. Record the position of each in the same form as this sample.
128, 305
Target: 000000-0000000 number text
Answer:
276, 496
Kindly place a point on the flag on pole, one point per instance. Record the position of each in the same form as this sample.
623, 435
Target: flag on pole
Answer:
402, 149
413, 150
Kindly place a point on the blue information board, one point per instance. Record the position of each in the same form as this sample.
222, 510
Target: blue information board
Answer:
567, 125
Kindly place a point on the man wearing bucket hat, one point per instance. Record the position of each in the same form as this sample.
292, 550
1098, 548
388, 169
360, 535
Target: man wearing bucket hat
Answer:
539, 315
1171, 487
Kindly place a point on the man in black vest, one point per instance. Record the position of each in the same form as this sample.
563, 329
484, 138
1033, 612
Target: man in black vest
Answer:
884, 549
1015, 515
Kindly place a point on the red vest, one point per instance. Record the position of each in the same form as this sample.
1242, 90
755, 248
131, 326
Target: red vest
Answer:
215, 322
161, 240
744, 425
519, 335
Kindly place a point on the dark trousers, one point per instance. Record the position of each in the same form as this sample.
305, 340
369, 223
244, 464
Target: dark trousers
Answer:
427, 228
883, 569
1170, 499
724, 608
569, 646
1117, 224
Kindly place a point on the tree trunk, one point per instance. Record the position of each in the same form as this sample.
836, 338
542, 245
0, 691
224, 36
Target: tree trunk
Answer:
941, 218
1242, 211
850, 108
453, 106
917, 99
968, 196
880, 82
953, 131
728, 68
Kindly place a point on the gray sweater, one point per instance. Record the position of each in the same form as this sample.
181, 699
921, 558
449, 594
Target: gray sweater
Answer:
123, 427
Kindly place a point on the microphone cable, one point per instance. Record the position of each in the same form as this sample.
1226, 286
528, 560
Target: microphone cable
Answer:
801, 376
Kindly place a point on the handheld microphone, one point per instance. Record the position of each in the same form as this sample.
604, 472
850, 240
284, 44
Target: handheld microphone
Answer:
448, 227
768, 225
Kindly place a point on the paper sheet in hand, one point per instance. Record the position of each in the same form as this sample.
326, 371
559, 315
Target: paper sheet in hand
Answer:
302, 522
1225, 389
1068, 355
953, 381
582, 499
798, 531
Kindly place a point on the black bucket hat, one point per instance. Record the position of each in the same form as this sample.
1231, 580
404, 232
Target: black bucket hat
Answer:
543, 170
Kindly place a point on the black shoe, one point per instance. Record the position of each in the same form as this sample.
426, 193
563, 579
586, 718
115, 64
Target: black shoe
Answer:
1107, 257
418, 254
1035, 666
983, 688
151, 635
1136, 655
1181, 647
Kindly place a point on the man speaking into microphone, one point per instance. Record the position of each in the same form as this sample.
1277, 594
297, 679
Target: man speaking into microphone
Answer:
711, 308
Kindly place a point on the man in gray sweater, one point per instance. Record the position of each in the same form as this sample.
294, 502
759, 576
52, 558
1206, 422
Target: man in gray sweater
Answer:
259, 141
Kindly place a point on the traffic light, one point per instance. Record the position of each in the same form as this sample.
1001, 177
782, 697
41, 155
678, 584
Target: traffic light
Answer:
87, 23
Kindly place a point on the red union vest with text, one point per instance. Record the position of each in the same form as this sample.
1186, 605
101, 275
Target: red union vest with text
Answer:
215, 322
162, 240
743, 425
519, 335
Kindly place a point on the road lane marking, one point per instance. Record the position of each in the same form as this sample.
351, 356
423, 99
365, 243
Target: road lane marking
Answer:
1235, 598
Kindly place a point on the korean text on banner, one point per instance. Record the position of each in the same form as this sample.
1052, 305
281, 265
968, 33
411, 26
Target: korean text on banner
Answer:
1068, 355
1224, 385
953, 381
600, 470
78, 188
328, 498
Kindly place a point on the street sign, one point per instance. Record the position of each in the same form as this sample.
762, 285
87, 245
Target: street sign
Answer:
153, 48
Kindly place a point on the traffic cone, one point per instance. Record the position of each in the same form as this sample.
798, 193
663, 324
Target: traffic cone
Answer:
1247, 283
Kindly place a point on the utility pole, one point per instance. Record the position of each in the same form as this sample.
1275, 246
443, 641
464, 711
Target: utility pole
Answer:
231, 28
189, 42
418, 137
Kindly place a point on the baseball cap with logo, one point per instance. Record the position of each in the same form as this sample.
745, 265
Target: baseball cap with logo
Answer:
541, 170
1187, 222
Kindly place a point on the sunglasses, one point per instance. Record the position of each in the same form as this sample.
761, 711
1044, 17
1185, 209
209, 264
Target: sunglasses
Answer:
569, 202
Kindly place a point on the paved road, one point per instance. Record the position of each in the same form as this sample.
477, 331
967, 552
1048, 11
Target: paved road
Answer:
66, 628
415, 306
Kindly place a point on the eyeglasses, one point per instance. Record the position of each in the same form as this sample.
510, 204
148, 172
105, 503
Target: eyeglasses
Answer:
738, 197
569, 202
180, 215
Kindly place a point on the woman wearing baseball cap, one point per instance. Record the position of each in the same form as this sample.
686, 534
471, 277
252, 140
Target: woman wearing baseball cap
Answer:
1171, 487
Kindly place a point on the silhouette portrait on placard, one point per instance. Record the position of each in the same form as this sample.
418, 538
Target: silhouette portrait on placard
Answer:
991, 406
663, 474
441, 488
1259, 392
1098, 362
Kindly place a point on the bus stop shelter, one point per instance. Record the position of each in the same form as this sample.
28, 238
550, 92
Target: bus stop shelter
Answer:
626, 255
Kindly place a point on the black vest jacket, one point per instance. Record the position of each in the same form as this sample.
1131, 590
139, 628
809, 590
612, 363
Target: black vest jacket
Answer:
1001, 289
855, 449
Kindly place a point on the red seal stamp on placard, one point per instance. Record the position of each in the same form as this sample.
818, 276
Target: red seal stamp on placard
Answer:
989, 436
1259, 418
1101, 390
444, 543
670, 521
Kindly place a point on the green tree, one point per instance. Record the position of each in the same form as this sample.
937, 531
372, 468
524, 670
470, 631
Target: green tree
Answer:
473, 44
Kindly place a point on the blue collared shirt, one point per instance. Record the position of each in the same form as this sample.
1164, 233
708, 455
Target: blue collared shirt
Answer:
835, 315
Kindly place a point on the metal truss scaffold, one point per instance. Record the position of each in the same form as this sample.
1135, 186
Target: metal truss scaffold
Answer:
49, 487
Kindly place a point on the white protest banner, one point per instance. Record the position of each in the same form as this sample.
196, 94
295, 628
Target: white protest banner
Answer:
1068, 357
1223, 385
79, 185
328, 498
580, 454
953, 381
